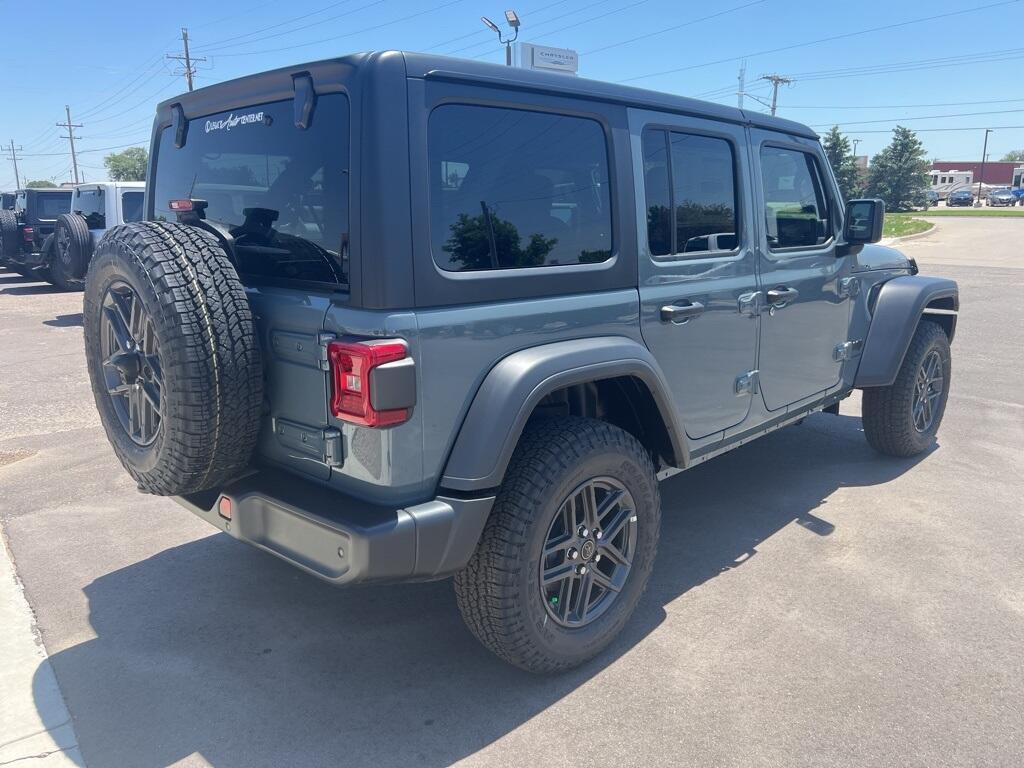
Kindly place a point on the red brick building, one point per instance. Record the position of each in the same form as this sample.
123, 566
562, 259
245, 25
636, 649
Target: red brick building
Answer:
996, 173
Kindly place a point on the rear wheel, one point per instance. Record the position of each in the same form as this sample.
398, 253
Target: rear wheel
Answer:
903, 418
568, 548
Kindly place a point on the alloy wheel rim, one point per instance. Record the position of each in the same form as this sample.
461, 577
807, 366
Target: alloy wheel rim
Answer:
63, 244
927, 390
132, 373
588, 552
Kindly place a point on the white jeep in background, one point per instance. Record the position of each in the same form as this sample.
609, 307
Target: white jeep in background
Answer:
95, 208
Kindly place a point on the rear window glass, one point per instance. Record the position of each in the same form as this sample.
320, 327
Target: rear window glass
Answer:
281, 191
52, 204
90, 204
512, 189
131, 206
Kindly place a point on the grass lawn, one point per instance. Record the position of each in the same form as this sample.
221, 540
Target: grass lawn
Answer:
902, 224
1014, 211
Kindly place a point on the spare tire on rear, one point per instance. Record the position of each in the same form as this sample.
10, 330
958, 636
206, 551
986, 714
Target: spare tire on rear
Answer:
8, 234
173, 356
72, 246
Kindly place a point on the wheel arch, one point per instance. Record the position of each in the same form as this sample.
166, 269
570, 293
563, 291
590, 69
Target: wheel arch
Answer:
899, 305
612, 378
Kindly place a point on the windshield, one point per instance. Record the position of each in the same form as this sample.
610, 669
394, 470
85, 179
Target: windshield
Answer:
281, 191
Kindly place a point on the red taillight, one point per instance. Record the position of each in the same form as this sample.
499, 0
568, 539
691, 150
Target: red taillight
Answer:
224, 507
180, 206
352, 365
28, 233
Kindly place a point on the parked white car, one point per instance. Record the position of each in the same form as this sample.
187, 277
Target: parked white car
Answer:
95, 208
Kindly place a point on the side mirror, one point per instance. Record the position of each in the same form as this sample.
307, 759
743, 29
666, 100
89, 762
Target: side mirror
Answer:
864, 219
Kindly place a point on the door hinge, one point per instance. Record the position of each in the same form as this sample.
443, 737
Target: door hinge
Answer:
748, 302
846, 350
324, 340
849, 286
747, 383
323, 444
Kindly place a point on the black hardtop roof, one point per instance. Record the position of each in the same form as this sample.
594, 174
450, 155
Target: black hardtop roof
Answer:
421, 65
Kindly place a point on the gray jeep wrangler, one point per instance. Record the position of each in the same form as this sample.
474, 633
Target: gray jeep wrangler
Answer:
401, 317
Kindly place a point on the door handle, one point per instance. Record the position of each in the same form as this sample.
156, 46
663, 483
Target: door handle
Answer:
781, 294
681, 313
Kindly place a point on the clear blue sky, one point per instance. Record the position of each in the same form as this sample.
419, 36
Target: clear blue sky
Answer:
108, 63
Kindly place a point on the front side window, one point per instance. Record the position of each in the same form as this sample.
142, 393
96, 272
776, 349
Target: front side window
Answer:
512, 189
89, 203
131, 206
796, 208
690, 185
282, 192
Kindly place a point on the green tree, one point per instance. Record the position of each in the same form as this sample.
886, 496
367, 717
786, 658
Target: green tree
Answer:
899, 173
843, 162
469, 244
1014, 156
129, 165
40, 184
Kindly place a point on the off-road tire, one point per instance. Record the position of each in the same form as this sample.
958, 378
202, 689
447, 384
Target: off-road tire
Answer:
212, 387
8, 235
498, 592
72, 261
887, 412
53, 272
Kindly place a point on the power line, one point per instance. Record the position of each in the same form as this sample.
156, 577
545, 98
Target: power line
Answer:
920, 117
828, 39
672, 28
216, 43
936, 130
372, 28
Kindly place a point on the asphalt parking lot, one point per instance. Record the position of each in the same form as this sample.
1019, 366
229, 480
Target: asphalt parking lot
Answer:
813, 603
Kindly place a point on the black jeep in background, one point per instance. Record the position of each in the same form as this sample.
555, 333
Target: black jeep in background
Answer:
26, 232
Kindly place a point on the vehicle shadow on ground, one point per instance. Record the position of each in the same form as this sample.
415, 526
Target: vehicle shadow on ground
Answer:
14, 279
218, 649
65, 321
34, 288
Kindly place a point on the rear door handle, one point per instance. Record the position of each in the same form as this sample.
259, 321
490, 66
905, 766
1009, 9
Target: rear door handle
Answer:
680, 313
782, 294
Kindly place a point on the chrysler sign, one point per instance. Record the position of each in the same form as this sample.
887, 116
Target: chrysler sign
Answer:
550, 59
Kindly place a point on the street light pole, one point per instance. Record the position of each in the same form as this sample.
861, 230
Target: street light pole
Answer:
513, 22
981, 176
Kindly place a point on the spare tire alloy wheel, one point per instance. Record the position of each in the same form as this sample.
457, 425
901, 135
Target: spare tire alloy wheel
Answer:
588, 552
72, 246
8, 235
131, 363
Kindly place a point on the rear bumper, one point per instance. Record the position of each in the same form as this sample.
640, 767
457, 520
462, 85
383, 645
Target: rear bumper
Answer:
341, 539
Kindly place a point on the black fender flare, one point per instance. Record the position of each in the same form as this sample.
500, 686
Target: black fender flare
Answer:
517, 383
897, 311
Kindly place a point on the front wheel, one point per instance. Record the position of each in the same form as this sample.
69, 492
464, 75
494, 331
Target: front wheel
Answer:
568, 548
903, 418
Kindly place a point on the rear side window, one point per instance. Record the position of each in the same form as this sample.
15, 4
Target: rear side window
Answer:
89, 203
512, 189
690, 188
131, 206
796, 207
281, 191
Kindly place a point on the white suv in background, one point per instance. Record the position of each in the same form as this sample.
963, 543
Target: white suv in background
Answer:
95, 208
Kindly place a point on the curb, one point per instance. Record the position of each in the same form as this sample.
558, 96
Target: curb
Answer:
894, 240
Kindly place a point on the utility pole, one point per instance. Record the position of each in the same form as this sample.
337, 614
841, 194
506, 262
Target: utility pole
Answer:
70, 127
743, 84
855, 143
14, 159
981, 176
189, 62
776, 81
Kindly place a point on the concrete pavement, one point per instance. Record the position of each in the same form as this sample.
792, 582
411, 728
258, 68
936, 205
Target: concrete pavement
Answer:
813, 603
